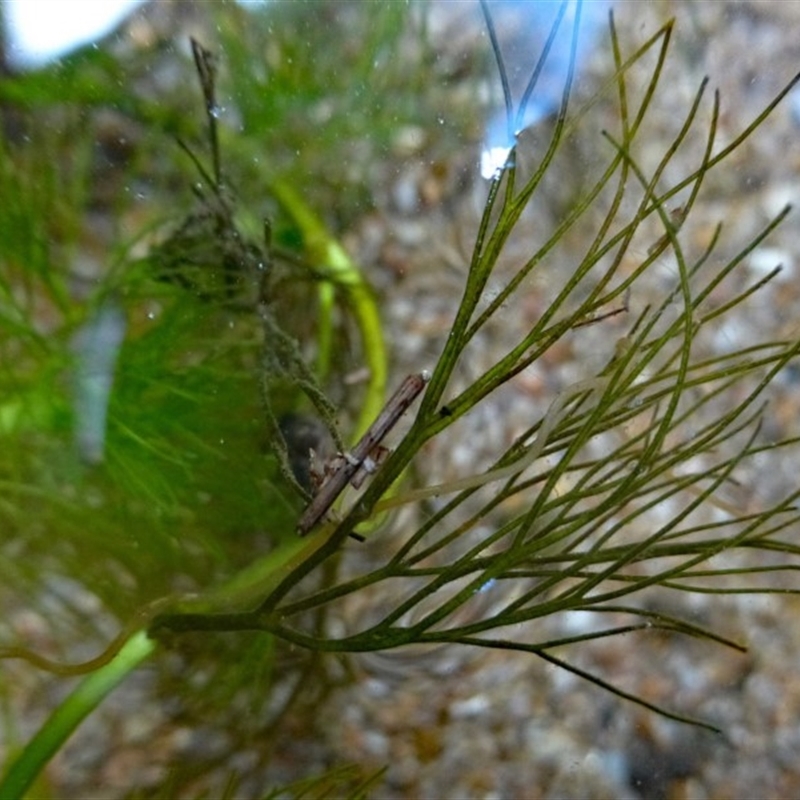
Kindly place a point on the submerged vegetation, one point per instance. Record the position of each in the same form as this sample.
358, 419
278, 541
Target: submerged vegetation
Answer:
152, 470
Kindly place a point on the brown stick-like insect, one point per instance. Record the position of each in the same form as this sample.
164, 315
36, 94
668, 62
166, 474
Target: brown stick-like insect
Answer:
361, 458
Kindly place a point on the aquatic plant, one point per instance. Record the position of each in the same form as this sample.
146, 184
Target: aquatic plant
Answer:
567, 519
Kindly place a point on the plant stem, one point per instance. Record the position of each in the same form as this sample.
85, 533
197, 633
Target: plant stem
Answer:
66, 718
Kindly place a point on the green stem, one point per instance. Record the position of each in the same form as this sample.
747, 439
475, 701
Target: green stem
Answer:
342, 272
66, 718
